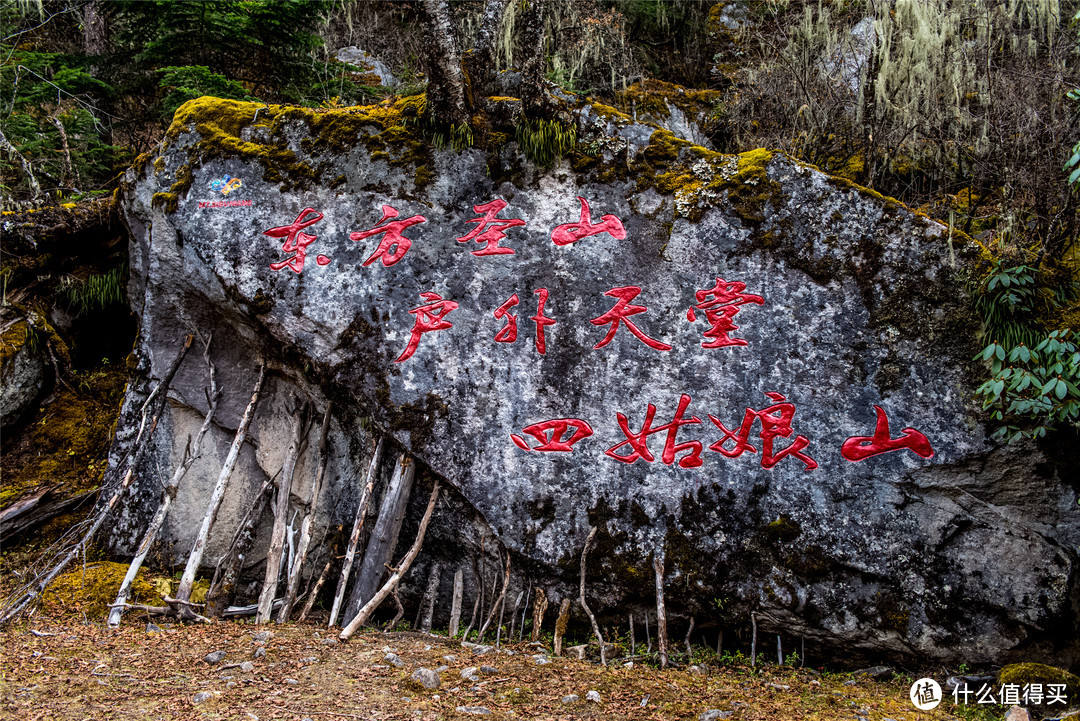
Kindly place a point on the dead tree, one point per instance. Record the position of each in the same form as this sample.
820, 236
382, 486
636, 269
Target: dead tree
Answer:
581, 596
191, 452
661, 612
480, 61
16, 603
187, 581
309, 518
354, 538
281, 512
455, 602
689, 651
534, 101
398, 573
384, 535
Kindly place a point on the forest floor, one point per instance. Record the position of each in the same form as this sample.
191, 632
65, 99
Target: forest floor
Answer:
61, 668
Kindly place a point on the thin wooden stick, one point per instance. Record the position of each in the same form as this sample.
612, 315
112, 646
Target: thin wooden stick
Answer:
581, 597
354, 539
396, 577
187, 581
753, 639
513, 615
495, 605
229, 566
661, 613
455, 602
779, 652
633, 644
191, 452
309, 519
314, 593
689, 651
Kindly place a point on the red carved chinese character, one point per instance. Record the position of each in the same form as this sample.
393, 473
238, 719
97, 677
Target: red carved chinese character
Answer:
497, 232
721, 303
430, 317
296, 241
573, 232
639, 442
393, 245
858, 448
541, 320
554, 430
775, 422
508, 333
620, 314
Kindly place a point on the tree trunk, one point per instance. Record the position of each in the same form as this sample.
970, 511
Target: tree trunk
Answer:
446, 85
540, 604
95, 29
187, 581
560, 625
281, 512
358, 525
427, 604
480, 61
581, 596
534, 103
384, 536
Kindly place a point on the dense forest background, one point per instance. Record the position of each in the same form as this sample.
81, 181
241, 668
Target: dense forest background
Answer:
966, 111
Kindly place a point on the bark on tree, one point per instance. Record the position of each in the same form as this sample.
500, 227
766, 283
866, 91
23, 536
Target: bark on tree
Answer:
455, 603
309, 518
560, 625
191, 453
534, 103
95, 28
281, 512
187, 581
358, 525
480, 61
399, 572
446, 84
384, 536
661, 612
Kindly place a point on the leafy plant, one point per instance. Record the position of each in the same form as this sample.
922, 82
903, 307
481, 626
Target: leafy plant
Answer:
188, 82
544, 141
95, 293
1034, 375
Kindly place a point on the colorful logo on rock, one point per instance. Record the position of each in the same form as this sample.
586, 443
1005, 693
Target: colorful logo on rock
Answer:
225, 185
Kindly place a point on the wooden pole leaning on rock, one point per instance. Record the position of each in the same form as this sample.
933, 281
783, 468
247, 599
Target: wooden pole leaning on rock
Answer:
187, 581
293, 581
661, 612
358, 525
19, 601
455, 602
753, 639
281, 513
384, 536
540, 604
398, 573
513, 615
495, 605
561, 623
633, 643
227, 573
689, 651
581, 597
426, 611
191, 453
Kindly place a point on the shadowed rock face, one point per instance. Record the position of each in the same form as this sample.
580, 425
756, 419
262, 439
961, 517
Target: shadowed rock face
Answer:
850, 302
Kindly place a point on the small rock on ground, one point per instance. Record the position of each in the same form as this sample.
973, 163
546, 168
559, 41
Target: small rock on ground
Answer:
201, 697
214, 657
571, 698
478, 710
263, 636
153, 628
1017, 713
426, 678
593, 696
449, 658
329, 642
292, 682
481, 650
540, 659
259, 652
489, 670
878, 673
394, 659
714, 714
247, 667
440, 669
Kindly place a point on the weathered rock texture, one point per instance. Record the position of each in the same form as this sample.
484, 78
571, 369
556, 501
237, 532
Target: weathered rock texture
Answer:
969, 554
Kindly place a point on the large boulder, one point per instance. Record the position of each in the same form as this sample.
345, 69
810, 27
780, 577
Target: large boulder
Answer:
758, 372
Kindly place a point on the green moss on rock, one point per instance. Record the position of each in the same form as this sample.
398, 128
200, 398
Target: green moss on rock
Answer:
1030, 673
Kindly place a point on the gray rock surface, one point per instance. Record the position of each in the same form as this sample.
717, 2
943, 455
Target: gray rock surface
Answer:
850, 302
214, 657
22, 377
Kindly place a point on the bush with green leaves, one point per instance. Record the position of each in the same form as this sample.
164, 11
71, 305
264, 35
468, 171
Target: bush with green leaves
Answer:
1034, 383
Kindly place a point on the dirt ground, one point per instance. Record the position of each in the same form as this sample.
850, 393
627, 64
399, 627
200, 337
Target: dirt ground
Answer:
56, 668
